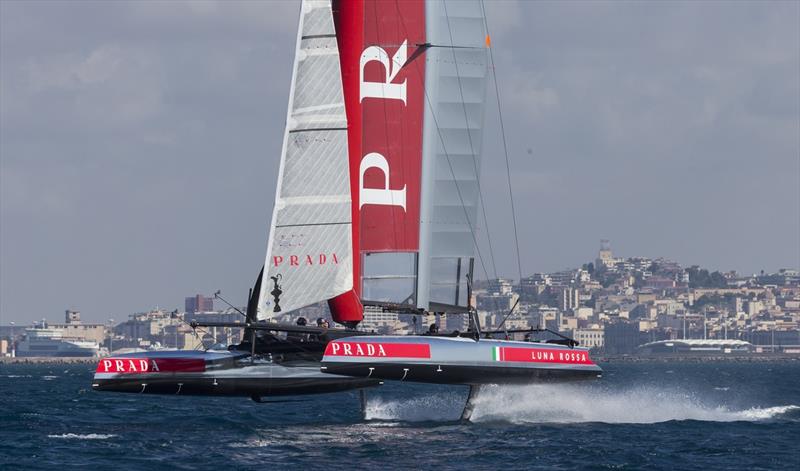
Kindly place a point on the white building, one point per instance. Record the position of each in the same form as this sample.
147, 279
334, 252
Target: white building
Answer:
591, 337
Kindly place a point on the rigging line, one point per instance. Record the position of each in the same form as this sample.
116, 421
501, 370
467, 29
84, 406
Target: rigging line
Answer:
510, 311
505, 144
471, 146
195, 329
447, 156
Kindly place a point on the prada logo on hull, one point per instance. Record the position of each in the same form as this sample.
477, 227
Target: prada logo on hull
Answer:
151, 365
378, 350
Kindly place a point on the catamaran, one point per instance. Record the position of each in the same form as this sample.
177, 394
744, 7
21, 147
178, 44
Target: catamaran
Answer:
376, 205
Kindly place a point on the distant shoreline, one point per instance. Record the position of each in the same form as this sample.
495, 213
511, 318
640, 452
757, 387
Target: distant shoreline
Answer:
48, 360
697, 358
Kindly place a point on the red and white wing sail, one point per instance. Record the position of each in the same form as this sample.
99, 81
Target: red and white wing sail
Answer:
391, 96
378, 192
415, 71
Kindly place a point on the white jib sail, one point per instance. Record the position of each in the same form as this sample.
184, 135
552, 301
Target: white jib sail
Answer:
309, 253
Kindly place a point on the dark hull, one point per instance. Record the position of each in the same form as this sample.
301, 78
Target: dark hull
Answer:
247, 387
460, 374
216, 374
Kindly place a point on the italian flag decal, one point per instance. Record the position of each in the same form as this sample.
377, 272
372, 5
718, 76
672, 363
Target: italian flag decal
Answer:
497, 353
541, 355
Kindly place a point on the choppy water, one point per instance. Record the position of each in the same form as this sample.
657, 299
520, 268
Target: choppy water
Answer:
639, 416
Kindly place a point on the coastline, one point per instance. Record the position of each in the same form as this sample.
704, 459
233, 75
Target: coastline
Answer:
48, 360
697, 358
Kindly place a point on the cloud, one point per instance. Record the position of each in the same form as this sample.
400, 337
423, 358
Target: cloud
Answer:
503, 15
530, 98
139, 141
68, 71
110, 84
210, 17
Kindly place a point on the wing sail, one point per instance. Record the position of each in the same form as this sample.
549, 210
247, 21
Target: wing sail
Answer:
310, 249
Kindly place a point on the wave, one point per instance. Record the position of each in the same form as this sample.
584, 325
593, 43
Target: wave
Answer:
767, 412
435, 408
84, 436
642, 405
570, 404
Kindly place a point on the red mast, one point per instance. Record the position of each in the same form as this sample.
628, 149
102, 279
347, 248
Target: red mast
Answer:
348, 19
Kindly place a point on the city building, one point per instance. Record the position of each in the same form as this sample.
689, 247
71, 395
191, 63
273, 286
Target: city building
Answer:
500, 286
605, 258
623, 337
198, 303
615, 305
375, 320
569, 298
590, 337
74, 328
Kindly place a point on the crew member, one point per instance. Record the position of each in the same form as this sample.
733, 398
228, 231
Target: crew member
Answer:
298, 336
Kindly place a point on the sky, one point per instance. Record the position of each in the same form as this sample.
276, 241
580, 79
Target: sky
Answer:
139, 142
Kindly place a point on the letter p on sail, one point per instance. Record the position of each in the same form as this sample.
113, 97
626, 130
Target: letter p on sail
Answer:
380, 196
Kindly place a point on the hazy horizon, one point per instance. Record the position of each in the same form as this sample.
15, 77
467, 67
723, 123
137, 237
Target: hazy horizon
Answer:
139, 142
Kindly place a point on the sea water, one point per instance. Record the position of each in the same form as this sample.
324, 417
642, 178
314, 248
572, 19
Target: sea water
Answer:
722, 415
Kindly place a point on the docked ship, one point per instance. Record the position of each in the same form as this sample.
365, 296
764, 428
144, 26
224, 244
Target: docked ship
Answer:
41, 341
376, 205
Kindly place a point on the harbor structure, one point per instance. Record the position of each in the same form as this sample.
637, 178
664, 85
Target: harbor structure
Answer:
43, 341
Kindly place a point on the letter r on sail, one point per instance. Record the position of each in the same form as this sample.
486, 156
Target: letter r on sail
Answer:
384, 89
380, 196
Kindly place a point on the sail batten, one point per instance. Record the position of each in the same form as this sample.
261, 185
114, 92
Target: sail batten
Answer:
310, 250
455, 85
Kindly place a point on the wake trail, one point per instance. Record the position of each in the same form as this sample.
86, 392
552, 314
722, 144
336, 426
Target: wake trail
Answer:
437, 407
542, 404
